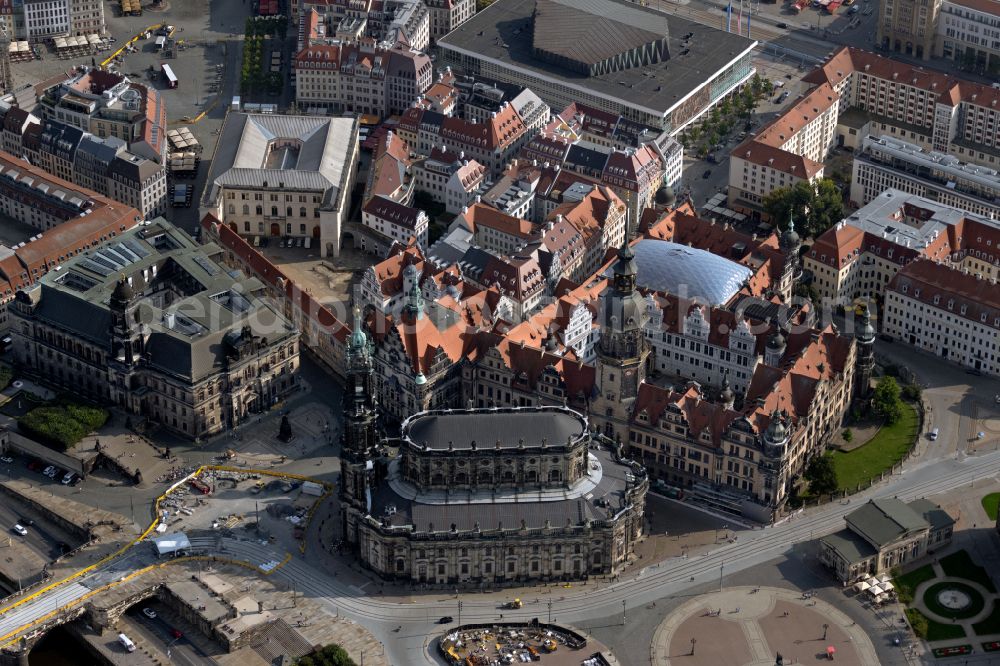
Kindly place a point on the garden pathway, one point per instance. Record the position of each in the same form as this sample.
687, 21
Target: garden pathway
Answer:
971, 637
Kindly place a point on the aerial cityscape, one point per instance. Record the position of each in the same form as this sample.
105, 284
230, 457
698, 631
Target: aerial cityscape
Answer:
482, 332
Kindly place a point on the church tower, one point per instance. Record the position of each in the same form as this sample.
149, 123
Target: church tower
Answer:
127, 344
623, 349
864, 334
358, 443
790, 243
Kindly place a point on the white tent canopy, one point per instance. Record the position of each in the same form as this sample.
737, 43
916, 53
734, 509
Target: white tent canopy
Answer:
170, 544
875, 590
887, 586
861, 586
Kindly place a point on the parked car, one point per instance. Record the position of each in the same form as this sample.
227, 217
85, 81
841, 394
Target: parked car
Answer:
447, 619
149, 612
68, 478
708, 172
176, 633
35, 466
6, 459
27, 522
20, 530
783, 26
50, 471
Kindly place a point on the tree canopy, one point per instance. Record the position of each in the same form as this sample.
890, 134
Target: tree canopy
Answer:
886, 400
328, 655
815, 208
822, 475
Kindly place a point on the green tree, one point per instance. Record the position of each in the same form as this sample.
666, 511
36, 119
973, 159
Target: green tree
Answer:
793, 200
886, 400
816, 208
328, 655
827, 207
848, 435
822, 475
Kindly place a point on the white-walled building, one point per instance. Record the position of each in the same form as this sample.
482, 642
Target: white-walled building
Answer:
449, 178
45, 19
789, 150
284, 175
968, 31
395, 221
948, 312
884, 163
858, 257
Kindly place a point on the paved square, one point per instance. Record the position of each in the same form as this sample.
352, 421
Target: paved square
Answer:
746, 626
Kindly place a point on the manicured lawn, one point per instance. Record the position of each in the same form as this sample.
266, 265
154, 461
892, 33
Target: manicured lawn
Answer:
960, 565
991, 625
990, 504
883, 451
931, 630
975, 607
906, 584
63, 423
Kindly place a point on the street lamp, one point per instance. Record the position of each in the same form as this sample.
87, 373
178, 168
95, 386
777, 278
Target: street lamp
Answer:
721, 565
550, 611
694, 641
825, 627
460, 613
623, 612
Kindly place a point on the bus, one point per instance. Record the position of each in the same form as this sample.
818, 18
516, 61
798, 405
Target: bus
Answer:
169, 75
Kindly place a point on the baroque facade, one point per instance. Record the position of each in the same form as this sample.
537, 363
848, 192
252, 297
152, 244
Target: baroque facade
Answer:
430, 514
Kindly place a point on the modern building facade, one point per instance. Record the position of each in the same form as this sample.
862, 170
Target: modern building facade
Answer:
968, 32
284, 175
661, 71
883, 163
152, 323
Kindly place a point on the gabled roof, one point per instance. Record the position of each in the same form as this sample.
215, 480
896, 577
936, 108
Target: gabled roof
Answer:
884, 521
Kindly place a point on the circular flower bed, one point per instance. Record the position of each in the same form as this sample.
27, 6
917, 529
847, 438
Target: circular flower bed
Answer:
953, 600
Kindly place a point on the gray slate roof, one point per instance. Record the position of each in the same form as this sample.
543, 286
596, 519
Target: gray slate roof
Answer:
885, 520
487, 427
849, 546
490, 515
186, 337
244, 156
937, 517
502, 33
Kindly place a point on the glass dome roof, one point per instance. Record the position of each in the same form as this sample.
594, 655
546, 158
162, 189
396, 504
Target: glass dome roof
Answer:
687, 271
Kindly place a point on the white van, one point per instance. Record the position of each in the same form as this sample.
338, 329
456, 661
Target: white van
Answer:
934, 434
126, 643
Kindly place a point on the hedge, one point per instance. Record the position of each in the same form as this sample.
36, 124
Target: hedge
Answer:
63, 424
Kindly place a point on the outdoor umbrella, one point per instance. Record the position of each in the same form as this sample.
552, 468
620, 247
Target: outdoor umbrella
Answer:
862, 586
875, 590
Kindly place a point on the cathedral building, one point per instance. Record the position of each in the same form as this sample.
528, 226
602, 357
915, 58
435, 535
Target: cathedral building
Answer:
483, 497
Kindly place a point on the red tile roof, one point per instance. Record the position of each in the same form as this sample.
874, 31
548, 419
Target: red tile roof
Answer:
926, 280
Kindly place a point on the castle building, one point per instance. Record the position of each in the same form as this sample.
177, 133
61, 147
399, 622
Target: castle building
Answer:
542, 501
153, 324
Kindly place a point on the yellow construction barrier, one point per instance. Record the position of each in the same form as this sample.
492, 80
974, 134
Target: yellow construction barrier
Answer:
121, 49
156, 521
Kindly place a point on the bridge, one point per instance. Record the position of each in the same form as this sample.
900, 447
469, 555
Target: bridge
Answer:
26, 622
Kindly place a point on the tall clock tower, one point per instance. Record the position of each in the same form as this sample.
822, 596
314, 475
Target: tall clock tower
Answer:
623, 349
360, 438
